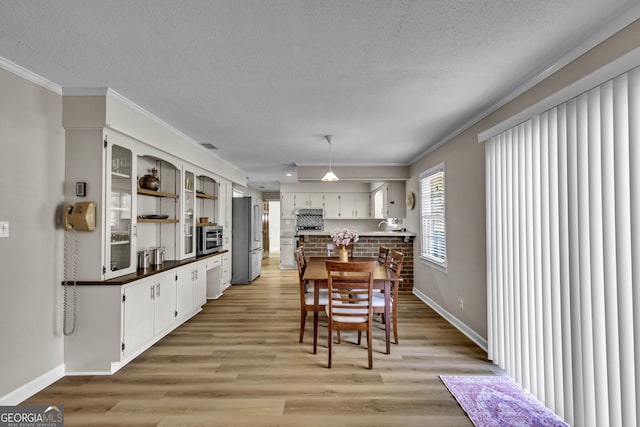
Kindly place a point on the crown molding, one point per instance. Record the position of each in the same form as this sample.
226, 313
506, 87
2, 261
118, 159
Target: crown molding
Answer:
37, 79
598, 36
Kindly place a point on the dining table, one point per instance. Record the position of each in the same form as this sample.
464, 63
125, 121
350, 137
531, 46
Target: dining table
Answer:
383, 277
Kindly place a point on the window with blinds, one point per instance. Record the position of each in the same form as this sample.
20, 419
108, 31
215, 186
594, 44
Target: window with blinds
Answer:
433, 229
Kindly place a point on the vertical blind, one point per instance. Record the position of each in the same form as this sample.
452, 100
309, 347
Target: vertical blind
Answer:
432, 213
563, 254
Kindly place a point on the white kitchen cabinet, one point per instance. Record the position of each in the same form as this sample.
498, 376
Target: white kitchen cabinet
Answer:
207, 190
287, 205
226, 270
138, 324
224, 201
159, 210
309, 200
287, 249
106, 162
188, 205
332, 205
164, 302
355, 206
214, 277
115, 323
185, 278
347, 205
199, 285
389, 201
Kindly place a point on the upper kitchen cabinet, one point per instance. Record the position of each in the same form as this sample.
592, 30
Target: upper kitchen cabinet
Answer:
158, 208
389, 200
308, 200
188, 209
225, 211
207, 190
347, 205
105, 162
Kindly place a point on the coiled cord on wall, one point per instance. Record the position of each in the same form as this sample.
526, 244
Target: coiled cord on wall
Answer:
70, 238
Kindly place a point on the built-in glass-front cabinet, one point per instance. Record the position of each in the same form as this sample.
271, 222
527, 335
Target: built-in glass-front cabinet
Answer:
189, 219
120, 211
130, 218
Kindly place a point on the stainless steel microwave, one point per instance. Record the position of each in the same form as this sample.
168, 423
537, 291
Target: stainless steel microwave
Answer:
209, 239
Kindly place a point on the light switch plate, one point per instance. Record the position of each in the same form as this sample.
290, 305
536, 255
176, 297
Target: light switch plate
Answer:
4, 229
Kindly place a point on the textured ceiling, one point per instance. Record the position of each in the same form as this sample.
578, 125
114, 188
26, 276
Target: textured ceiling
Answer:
264, 80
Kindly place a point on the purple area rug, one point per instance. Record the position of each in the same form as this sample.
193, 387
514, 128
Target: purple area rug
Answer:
498, 401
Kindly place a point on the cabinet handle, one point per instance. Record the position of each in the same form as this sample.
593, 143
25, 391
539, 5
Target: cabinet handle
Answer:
153, 294
158, 290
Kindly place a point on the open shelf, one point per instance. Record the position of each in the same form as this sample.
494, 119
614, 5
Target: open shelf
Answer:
156, 193
159, 221
204, 224
206, 196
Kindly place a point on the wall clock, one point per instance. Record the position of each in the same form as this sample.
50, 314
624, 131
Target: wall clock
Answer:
411, 200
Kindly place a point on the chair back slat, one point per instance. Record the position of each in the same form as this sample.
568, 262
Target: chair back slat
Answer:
383, 252
395, 261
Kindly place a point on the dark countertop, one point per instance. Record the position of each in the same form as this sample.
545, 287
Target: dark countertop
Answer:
360, 233
147, 272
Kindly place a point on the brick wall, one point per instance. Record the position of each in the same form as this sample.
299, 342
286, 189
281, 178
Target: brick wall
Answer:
367, 246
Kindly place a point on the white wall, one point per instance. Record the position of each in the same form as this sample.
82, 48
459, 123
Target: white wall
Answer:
31, 190
465, 192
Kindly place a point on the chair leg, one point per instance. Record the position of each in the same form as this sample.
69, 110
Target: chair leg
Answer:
359, 337
394, 319
370, 347
303, 320
339, 338
329, 343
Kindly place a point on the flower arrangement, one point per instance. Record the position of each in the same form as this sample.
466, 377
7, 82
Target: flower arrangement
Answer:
344, 237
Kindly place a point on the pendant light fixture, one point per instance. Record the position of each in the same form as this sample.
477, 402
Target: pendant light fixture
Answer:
329, 176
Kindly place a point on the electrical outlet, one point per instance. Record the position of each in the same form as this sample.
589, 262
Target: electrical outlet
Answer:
461, 302
4, 228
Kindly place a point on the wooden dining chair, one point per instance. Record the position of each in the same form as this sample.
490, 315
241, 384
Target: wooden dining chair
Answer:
306, 293
383, 252
395, 264
350, 286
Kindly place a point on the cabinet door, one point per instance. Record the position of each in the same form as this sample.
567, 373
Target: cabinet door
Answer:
315, 200
288, 205
396, 207
200, 285
287, 260
165, 301
362, 205
188, 214
332, 205
226, 271
138, 301
185, 302
120, 211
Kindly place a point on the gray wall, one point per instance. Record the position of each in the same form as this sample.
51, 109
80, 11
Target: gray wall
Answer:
31, 188
465, 192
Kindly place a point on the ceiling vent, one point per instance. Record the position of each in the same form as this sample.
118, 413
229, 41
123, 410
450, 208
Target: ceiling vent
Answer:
209, 146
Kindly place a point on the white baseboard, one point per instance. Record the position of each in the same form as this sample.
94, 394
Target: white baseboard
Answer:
24, 392
457, 323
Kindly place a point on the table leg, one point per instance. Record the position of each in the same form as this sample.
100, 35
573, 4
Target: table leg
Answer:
387, 315
316, 298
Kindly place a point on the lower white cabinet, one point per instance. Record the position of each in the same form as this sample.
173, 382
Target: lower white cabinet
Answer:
287, 249
226, 270
149, 308
214, 277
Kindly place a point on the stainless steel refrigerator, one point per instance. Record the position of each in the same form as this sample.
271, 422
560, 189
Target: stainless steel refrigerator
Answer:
246, 259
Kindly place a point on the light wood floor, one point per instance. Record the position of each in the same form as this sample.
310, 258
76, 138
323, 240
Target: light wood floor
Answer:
239, 363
